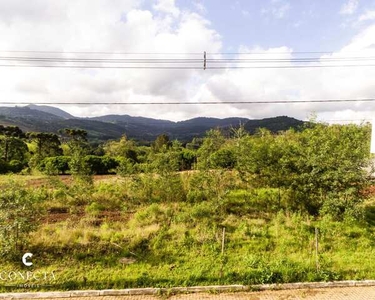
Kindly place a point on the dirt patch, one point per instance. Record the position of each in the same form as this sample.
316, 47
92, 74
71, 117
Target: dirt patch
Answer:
105, 216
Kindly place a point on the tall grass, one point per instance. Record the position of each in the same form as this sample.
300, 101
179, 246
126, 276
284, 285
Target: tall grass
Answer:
172, 237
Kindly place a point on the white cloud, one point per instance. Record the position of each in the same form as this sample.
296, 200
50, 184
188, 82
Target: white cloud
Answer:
349, 7
200, 7
297, 84
96, 26
368, 15
167, 6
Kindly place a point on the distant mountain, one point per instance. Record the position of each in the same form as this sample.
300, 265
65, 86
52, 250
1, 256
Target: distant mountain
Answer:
51, 110
133, 120
212, 122
275, 124
51, 119
26, 112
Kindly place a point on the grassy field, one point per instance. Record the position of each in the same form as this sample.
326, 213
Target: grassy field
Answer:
144, 231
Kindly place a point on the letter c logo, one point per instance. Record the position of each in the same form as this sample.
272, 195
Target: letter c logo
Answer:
24, 259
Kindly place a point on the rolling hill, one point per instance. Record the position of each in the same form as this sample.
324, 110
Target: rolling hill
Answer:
51, 119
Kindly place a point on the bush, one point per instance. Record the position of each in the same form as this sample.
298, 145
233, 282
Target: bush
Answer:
101, 165
15, 166
188, 159
125, 166
18, 217
223, 158
94, 208
55, 165
342, 205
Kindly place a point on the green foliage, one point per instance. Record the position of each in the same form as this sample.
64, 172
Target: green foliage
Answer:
125, 166
78, 148
94, 208
188, 159
19, 216
12, 148
47, 144
213, 141
55, 165
123, 148
320, 169
161, 143
166, 162
16, 166
223, 159
311, 167
100, 164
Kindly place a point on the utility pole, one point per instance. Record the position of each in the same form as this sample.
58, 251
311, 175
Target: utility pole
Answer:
204, 60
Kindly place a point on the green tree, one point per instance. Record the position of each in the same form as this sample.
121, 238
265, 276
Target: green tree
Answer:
55, 165
212, 142
259, 159
100, 164
12, 146
162, 143
78, 148
47, 144
321, 169
223, 158
331, 166
123, 148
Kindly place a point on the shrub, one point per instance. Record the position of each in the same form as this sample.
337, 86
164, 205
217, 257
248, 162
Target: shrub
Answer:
125, 166
223, 158
55, 165
188, 159
100, 164
15, 166
94, 208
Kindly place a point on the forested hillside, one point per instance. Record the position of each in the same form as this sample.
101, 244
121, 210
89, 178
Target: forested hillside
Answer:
50, 119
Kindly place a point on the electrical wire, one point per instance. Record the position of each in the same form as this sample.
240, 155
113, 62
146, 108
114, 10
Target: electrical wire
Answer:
195, 102
204, 62
185, 67
180, 53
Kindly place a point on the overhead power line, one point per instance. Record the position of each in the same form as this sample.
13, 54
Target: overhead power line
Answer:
186, 67
195, 102
204, 62
102, 52
182, 53
188, 60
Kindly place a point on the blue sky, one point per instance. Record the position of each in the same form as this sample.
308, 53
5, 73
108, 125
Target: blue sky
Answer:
303, 25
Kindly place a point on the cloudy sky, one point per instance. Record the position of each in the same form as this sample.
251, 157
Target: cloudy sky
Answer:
270, 28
